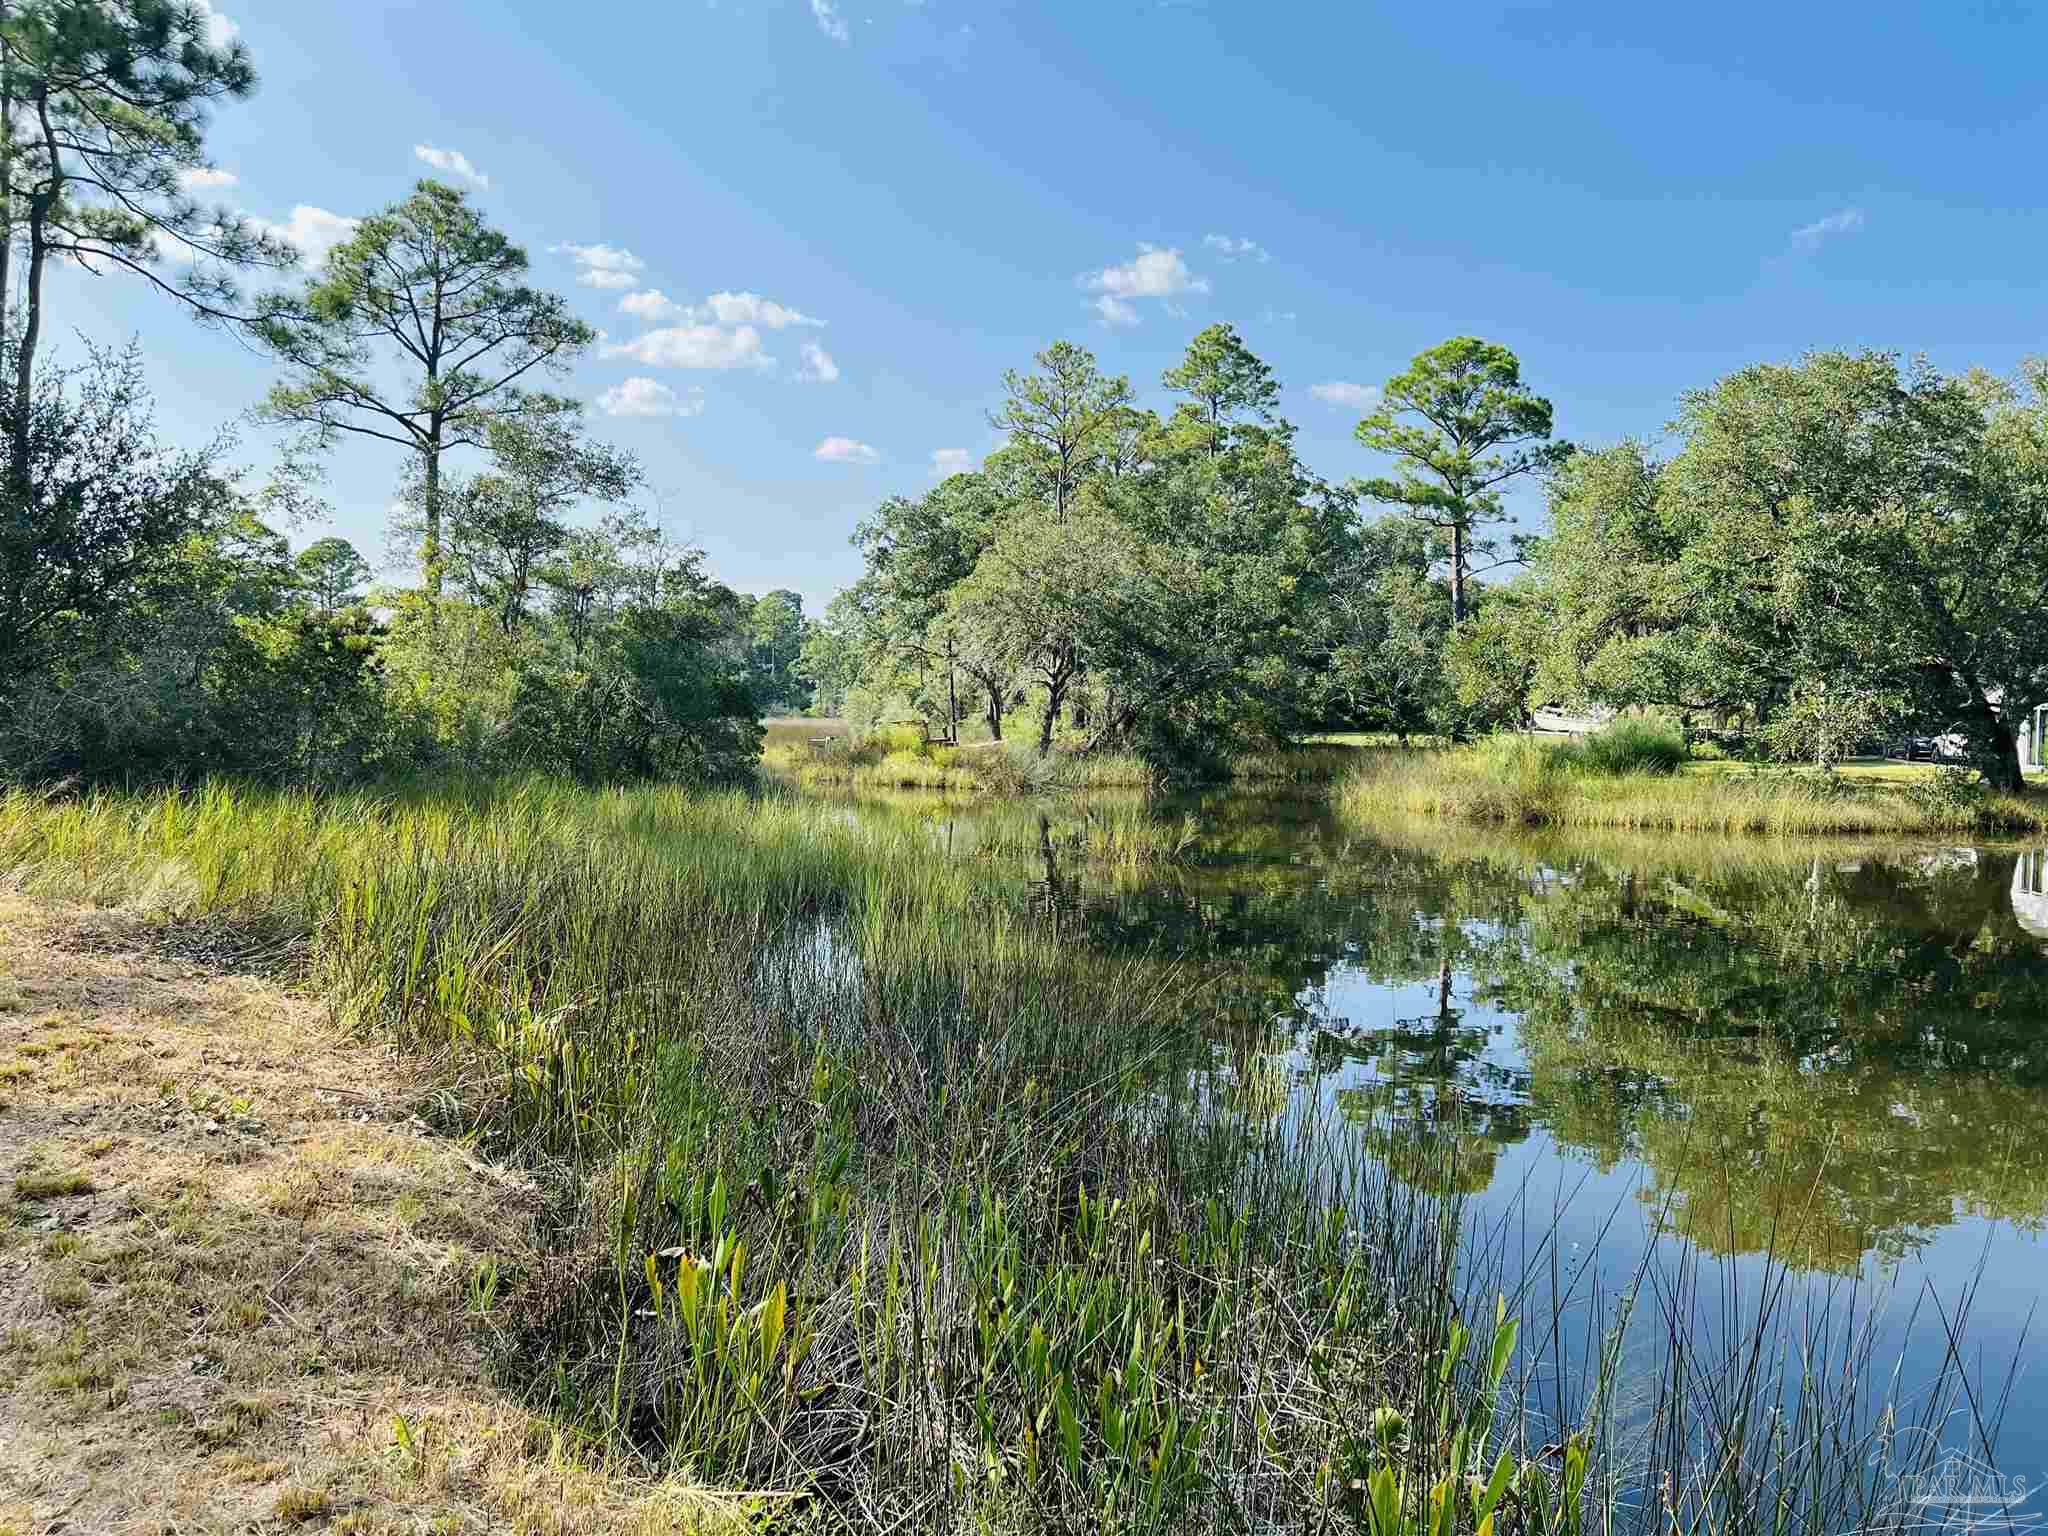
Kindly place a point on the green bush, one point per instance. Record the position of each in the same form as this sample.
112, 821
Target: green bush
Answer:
1951, 796
896, 738
1631, 746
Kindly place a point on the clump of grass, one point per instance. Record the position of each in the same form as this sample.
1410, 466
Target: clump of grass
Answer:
302, 1505
1017, 768
895, 757
1310, 764
1649, 747
52, 1186
1116, 833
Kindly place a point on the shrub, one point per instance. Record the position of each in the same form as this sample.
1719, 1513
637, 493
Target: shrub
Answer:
1632, 746
896, 738
910, 770
1951, 796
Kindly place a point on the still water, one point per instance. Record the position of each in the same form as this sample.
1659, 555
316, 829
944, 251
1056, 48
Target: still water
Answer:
1828, 1060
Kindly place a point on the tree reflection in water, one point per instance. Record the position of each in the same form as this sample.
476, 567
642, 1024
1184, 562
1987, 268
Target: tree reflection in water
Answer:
1827, 1052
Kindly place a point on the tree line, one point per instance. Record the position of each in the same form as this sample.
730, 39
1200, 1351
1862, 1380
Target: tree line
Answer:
1185, 585
154, 623
1833, 552
1838, 553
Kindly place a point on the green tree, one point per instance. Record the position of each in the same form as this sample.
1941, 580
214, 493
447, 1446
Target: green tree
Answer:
832, 657
1064, 418
775, 625
1480, 427
602, 571
1224, 382
654, 688
331, 572
1386, 623
105, 502
504, 524
983, 655
103, 109
1608, 578
209, 665
917, 550
1160, 585
1490, 663
1869, 529
419, 333
1841, 547
1035, 596
1240, 543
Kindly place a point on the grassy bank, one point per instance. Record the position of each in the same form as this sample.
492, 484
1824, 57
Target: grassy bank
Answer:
236, 1264
870, 1198
1521, 781
898, 757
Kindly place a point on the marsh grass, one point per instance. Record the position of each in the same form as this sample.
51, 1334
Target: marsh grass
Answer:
899, 757
874, 1195
1525, 781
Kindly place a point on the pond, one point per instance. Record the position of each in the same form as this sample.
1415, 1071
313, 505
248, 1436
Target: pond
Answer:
1760, 1059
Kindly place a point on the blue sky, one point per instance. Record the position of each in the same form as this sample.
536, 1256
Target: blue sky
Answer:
858, 213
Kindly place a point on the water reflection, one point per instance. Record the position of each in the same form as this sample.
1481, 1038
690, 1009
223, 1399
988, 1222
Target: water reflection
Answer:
1835, 1056
1828, 1053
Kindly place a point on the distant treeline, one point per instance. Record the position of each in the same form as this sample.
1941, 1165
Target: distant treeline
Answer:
1839, 550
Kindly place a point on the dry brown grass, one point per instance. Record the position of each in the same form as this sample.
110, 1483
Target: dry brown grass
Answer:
234, 1261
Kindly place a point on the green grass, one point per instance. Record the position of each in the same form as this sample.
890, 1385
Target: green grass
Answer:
51, 1186
870, 1185
1524, 781
800, 730
899, 757
835, 1120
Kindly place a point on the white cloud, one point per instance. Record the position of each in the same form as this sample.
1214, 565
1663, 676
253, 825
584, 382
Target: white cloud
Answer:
1237, 248
642, 396
1114, 311
722, 332
694, 346
453, 161
830, 22
650, 304
196, 178
818, 365
952, 461
845, 450
1156, 272
314, 231
723, 309
1845, 222
219, 30
603, 266
749, 309
1353, 397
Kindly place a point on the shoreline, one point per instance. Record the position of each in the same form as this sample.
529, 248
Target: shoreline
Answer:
1487, 786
